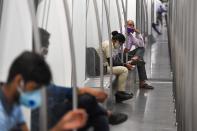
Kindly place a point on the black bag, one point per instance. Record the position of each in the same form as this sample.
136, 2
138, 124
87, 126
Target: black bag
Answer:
93, 62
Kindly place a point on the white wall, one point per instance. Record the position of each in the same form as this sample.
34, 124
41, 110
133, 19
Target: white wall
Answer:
15, 34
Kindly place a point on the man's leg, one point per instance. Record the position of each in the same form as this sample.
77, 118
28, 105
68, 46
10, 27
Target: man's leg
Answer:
136, 55
154, 26
122, 73
143, 77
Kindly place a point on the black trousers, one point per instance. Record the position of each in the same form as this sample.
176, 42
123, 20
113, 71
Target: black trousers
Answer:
154, 26
97, 116
140, 67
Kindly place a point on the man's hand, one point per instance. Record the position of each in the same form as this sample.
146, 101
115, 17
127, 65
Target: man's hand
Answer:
126, 50
137, 31
100, 95
129, 66
72, 120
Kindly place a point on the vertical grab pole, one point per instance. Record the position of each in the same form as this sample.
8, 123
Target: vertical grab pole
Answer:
123, 8
145, 18
43, 108
120, 26
125, 20
126, 10
110, 43
119, 15
86, 25
100, 43
44, 10
126, 14
47, 17
73, 77
1, 10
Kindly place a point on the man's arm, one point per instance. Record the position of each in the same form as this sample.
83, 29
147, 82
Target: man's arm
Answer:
24, 127
71, 120
100, 95
139, 39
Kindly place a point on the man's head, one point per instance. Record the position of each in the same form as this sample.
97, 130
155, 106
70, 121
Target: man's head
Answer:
44, 39
28, 73
118, 39
130, 24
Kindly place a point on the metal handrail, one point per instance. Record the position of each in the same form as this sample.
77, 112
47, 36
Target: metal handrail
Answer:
44, 10
125, 10
47, 17
71, 43
43, 108
145, 17
100, 44
120, 26
110, 43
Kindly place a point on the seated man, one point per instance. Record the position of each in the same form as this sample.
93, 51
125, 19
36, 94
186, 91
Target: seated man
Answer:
28, 73
136, 56
120, 69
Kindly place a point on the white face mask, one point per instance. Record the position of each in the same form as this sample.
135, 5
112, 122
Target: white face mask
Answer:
117, 45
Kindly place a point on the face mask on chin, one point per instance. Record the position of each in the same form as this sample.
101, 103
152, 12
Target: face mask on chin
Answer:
31, 99
117, 45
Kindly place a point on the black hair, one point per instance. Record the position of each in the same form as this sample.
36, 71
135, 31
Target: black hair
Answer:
44, 37
118, 36
32, 67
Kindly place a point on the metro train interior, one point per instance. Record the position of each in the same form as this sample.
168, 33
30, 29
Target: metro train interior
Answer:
98, 65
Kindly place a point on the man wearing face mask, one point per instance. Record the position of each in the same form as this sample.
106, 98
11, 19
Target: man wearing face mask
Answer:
120, 69
28, 73
136, 56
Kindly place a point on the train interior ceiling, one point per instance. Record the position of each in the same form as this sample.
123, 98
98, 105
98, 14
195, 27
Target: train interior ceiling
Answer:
153, 89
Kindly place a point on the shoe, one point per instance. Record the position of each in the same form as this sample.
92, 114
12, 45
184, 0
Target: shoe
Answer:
147, 86
117, 118
122, 96
123, 92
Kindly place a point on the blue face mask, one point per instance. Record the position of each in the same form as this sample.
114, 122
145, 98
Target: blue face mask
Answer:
31, 99
130, 30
